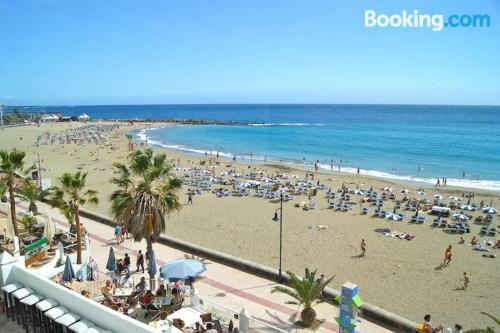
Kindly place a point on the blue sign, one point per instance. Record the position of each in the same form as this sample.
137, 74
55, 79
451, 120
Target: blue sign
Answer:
347, 310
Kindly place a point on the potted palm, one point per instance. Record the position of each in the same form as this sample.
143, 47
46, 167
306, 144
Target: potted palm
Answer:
307, 292
488, 329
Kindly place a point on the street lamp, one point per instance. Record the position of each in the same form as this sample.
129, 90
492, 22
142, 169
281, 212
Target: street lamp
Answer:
280, 218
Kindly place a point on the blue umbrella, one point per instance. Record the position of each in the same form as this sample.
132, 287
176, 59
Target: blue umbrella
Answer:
182, 269
69, 273
394, 217
152, 265
111, 264
490, 210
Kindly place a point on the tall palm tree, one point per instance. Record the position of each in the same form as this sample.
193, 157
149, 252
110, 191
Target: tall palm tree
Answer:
307, 293
70, 197
11, 166
145, 196
488, 329
31, 192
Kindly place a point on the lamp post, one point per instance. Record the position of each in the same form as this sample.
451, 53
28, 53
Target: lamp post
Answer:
280, 218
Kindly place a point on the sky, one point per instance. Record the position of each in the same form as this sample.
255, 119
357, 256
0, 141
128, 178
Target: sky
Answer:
68, 52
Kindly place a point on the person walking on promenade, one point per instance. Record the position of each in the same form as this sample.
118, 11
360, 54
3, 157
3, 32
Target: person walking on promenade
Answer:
140, 261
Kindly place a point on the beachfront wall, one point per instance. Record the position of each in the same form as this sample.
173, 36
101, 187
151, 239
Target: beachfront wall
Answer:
99, 314
367, 310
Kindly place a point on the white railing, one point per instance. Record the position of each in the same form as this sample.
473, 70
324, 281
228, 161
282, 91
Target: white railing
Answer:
218, 311
240, 319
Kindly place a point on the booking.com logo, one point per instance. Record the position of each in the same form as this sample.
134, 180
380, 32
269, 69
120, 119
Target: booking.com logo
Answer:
436, 22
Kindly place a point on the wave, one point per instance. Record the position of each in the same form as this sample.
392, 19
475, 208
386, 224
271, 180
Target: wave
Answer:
464, 183
287, 124
491, 185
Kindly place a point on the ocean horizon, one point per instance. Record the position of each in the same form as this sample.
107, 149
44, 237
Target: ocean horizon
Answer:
415, 143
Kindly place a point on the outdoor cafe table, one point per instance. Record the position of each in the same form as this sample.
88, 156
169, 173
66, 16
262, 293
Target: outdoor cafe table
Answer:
29, 239
159, 301
190, 316
123, 292
160, 325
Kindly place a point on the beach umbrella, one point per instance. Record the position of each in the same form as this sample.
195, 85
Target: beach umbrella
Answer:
111, 264
455, 198
49, 230
437, 197
182, 269
152, 265
393, 217
460, 217
468, 207
69, 273
490, 210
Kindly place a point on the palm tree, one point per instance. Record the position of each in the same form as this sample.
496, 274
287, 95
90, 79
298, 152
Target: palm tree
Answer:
69, 198
3, 190
12, 165
307, 292
146, 195
31, 192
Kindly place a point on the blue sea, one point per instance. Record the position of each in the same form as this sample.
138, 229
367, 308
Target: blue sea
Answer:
407, 143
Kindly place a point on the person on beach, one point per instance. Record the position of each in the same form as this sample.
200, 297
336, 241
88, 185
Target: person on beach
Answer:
427, 326
140, 261
447, 256
458, 329
190, 197
321, 280
466, 281
363, 248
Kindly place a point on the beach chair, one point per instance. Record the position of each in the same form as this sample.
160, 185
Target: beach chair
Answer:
484, 230
365, 211
421, 219
436, 223
492, 231
331, 205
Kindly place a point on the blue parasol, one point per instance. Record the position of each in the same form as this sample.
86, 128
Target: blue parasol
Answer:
182, 269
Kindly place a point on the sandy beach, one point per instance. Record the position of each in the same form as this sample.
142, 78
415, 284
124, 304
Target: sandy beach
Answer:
400, 276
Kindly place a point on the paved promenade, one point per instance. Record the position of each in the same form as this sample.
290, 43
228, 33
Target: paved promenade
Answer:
224, 285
